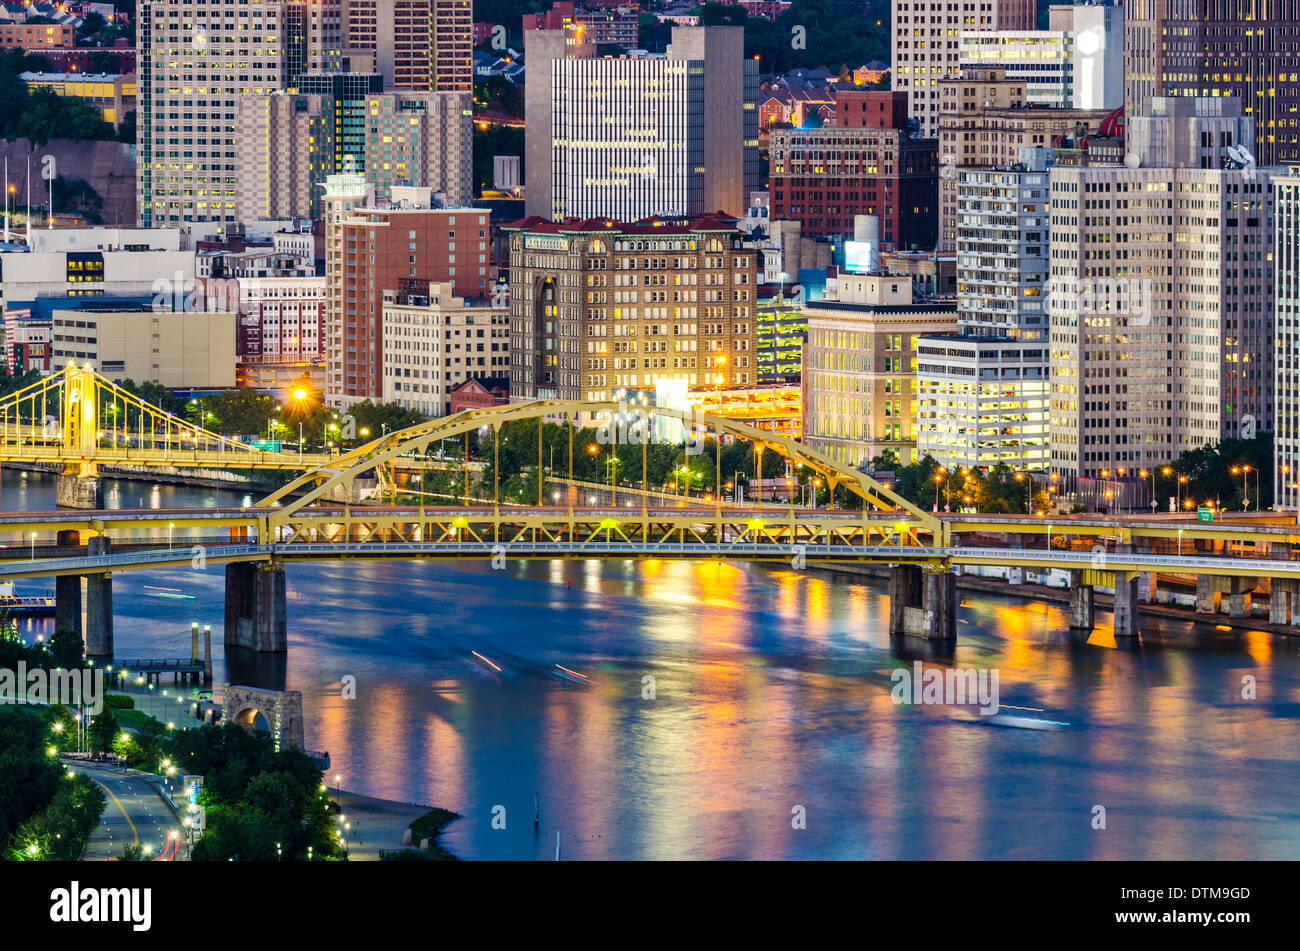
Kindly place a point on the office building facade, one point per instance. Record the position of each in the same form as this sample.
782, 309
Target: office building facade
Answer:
629, 138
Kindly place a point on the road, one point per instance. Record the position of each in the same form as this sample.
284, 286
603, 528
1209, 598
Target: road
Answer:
136, 813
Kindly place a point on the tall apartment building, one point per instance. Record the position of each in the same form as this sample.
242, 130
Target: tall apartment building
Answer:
926, 40
1286, 310
1076, 63
195, 60
343, 193
860, 364
985, 120
425, 45
289, 142
630, 138
864, 163
984, 391
601, 305
382, 250
1161, 304
1220, 48
434, 341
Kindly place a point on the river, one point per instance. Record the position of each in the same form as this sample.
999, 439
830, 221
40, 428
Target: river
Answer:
744, 711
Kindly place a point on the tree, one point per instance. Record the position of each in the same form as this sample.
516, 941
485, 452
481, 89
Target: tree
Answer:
103, 732
91, 24
240, 832
240, 412
102, 61
66, 648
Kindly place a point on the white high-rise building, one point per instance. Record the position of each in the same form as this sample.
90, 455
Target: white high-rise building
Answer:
194, 61
1286, 311
1076, 63
1161, 303
983, 392
926, 40
629, 138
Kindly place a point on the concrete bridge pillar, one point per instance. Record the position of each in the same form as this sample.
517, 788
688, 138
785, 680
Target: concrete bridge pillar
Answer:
1148, 589
904, 593
1127, 622
1281, 593
99, 603
72, 491
1207, 594
940, 593
255, 607
67, 589
1239, 597
1082, 611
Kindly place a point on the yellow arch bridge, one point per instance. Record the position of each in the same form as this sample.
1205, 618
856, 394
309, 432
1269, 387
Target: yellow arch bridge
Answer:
628, 518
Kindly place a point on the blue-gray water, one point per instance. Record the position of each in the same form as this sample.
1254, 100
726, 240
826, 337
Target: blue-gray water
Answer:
771, 691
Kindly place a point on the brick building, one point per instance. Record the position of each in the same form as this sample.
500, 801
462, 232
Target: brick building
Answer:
381, 248
866, 163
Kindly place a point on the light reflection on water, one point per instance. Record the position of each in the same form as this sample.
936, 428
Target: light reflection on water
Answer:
771, 690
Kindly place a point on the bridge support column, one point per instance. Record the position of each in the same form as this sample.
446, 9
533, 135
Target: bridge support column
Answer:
1207, 594
1082, 611
73, 491
255, 607
904, 593
1239, 597
1281, 593
1148, 589
99, 603
940, 592
1127, 623
67, 590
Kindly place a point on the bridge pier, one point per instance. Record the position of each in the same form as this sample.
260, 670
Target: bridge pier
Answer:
73, 491
1127, 621
904, 593
1207, 594
1239, 597
922, 603
99, 603
255, 607
67, 589
1082, 607
1281, 596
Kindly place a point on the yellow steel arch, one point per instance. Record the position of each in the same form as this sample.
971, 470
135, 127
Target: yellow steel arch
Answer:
343, 470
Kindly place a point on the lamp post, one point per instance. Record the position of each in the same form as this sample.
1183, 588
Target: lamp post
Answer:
1029, 493
299, 395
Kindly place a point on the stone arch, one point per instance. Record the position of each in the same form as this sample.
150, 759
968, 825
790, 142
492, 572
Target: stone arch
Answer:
281, 709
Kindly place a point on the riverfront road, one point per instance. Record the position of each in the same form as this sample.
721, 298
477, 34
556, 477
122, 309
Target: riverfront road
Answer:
135, 814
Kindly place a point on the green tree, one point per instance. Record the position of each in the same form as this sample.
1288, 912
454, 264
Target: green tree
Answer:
240, 833
103, 732
66, 648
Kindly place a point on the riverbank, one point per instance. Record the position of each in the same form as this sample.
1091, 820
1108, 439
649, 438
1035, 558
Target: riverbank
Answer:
380, 825
1101, 600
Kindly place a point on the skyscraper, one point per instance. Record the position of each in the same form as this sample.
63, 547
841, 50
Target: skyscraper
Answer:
1286, 310
1220, 48
1160, 300
425, 45
194, 61
926, 40
629, 138
288, 142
